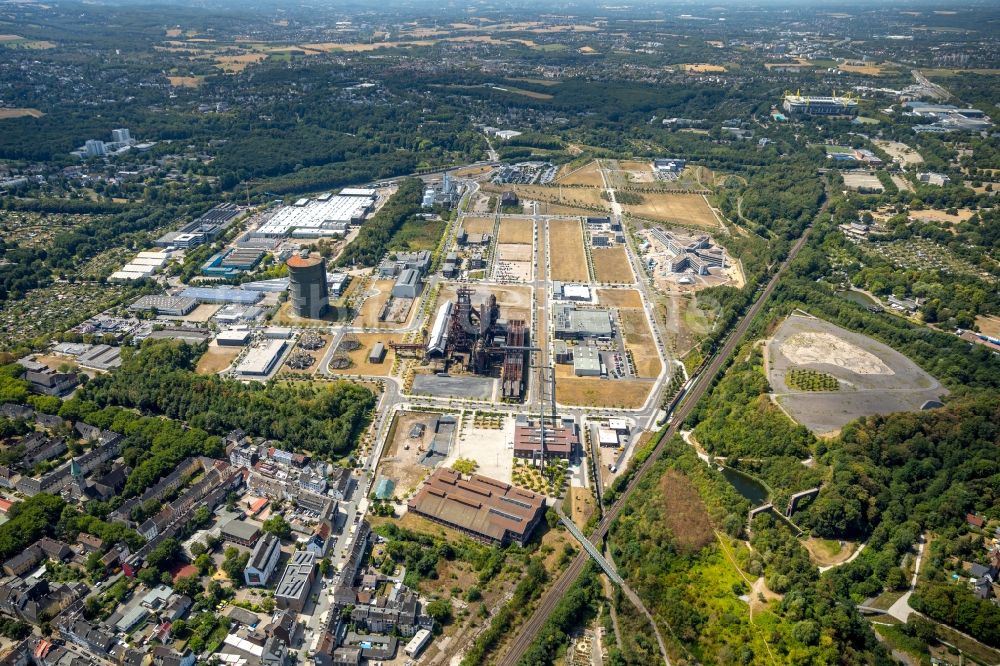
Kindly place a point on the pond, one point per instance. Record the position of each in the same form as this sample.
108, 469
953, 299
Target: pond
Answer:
750, 488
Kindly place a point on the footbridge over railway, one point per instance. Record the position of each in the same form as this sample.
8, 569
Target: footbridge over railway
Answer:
591, 549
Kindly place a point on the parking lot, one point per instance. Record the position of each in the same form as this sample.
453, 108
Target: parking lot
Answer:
479, 388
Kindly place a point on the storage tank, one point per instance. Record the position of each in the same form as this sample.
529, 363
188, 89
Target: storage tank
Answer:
307, 288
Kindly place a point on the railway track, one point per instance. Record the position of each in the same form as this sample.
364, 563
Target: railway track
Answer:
558, 590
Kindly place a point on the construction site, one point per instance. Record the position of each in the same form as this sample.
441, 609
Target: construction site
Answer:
477, 340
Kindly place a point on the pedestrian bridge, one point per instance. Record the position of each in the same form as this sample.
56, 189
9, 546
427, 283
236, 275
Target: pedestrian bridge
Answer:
591, 549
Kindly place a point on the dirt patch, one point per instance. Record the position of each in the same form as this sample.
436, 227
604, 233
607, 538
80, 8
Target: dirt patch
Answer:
569, 262
359, 357
611, 265
900, 151
686, 516
508, 297
828, 552
185, 81
640, 340
989, 325
516, 231
20, 113
401, 459
589, 175
588, 198
862, 181
582, 505
596, 392
619, 298
472, 171
216, 359
478, 225
809, 347
934, 214
689, 209
702, 68
370, 309
234, 64
866, 70
360, 48
873, 378
514, 252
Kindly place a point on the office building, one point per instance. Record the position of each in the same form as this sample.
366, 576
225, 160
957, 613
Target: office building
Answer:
262, 562
121, 136
561, 439
95, 148
296, 581
572, 323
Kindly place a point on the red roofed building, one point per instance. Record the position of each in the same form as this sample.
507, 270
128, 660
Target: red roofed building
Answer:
560, 440
483, 508
974, 520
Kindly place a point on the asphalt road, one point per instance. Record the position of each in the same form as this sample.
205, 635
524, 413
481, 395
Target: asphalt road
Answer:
558, 590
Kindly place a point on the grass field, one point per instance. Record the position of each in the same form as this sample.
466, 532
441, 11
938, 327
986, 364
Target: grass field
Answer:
619, 298
828, 552
18, 42
524, 93
516, 231
417, 234
867, 70
639, 339
611, 265
690, 209
569, 262
18, 112
588, 174
596, 392
546, 208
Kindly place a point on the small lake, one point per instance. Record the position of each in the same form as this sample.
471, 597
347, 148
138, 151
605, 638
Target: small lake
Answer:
746, 486
857, 297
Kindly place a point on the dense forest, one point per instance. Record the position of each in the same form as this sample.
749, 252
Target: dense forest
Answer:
674, 544
376, 234
325, 420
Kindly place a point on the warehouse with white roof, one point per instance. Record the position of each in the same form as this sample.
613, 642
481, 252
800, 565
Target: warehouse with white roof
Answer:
319, 217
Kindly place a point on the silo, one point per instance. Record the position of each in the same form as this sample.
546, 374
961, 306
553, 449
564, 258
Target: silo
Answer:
307, 286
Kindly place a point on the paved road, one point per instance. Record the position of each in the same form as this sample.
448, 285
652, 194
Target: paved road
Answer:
558, 590
901, 609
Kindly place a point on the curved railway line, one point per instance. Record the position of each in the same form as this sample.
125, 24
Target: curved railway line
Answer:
558, 590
